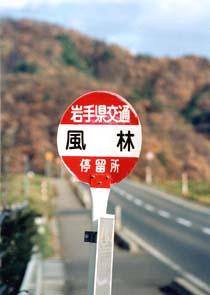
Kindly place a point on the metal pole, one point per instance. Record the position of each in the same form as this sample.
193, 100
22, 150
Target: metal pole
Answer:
99, 205
104, 256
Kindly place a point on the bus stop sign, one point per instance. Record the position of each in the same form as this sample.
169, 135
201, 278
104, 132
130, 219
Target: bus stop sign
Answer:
99, 133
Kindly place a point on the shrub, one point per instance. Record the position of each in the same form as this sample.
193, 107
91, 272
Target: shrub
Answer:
135, 95
145, 57
161, 157
156, 105
17, 240
70, 55
107, 55
196, 112
25, 67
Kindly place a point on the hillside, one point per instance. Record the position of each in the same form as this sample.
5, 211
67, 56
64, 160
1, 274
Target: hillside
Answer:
45, 67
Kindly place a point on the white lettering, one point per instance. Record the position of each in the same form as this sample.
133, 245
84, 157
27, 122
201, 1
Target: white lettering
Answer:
85, 165
100, 113
77, 113
100, 165
115, 166
89, 113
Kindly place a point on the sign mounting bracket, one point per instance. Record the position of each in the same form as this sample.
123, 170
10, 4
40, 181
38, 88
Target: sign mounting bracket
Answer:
100, 180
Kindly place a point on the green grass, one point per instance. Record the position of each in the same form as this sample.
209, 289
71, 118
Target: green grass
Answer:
198, 191
21, 188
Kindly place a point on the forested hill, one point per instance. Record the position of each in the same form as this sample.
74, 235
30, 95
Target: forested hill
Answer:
45, 67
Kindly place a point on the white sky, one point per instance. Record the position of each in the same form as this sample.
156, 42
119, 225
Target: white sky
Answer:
158, 27
194, 7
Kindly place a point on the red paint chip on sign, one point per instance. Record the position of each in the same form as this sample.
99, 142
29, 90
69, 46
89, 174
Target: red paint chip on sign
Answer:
99, 133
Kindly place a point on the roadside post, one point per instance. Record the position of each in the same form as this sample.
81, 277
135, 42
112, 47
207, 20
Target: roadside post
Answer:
148, 176
99, 142
185, 187
48, 163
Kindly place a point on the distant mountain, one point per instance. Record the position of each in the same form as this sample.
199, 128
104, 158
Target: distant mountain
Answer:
46, 67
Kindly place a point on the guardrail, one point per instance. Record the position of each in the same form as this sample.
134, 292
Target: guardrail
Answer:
32, 281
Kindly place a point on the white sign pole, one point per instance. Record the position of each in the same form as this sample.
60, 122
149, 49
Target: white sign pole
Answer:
104, 255
99, 205
100, 198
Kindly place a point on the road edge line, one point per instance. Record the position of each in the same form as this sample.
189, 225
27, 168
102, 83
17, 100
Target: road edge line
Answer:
188, 277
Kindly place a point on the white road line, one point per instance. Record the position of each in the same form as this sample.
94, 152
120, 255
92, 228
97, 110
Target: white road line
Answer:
129, 197
122, 193
164, 214
149, 207
138, 202
169, 197
206, 230
196, 281
116, 190
149, 248
184, 222
154, 252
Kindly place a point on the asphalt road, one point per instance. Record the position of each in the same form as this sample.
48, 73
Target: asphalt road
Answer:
179, 230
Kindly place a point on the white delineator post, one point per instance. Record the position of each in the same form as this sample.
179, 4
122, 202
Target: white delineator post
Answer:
148, 170
185, 188
148, 178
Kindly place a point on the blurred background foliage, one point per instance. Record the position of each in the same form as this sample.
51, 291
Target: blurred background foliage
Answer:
45, 67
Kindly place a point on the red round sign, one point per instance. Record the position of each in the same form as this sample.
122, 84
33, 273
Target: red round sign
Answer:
99, 135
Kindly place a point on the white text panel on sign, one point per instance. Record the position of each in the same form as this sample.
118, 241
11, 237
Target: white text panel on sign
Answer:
95, 140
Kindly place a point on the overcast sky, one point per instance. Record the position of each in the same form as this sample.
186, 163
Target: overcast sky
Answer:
156, 27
